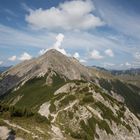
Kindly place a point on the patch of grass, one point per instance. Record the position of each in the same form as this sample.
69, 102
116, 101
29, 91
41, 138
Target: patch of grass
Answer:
128, 92
2, 123
105, 95
89, 134
127, 126
76, 135
31, 124
88, 99
20, 112
85, 89
104, 126
35, 92
90, 127
96, 88
78, 82
88, 93
70, 114
59, 96
107, 113
52, 107
85, 98
121, 112
138, 129
108, 97
41, 119
75, 108
15, 111
3, 107
131, 97
105, 84
67, 100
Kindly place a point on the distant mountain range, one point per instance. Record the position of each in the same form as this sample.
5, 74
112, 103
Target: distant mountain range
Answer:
132, 71
55, 97
131, 76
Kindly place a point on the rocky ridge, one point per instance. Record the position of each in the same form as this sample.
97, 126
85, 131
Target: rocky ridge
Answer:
73, 101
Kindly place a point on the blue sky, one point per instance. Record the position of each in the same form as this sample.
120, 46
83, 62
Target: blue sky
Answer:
105, 33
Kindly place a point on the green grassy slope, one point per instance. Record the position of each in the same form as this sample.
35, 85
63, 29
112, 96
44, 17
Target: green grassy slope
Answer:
34, 92
129, 92
69, 108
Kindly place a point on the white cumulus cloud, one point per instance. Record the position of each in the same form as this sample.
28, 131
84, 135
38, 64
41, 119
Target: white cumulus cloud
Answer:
1, 62
75, 14
57, 44
107, 64
82, 60
96, 55
42, 51
59, 40
137, 55
109, 52
25, 56
12, 58
76, 55
128, 64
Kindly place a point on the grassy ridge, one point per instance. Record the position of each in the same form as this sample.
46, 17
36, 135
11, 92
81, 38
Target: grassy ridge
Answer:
35, 92
129, 92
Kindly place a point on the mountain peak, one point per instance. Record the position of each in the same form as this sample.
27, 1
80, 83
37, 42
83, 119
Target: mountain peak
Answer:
52, 59
52, 51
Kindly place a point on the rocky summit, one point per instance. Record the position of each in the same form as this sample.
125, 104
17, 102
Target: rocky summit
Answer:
55, 97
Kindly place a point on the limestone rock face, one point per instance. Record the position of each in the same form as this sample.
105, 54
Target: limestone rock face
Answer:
88, 112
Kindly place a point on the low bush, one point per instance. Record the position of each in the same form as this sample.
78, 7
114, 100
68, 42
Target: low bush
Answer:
88, 99
41, 119
52, 107
20, 112
67, 99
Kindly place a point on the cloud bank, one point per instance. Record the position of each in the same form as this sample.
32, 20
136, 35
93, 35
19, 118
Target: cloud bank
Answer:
109, 53
76, 14
25, 56
56, 45
96, 55
12, 58
1, 62
119, 18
